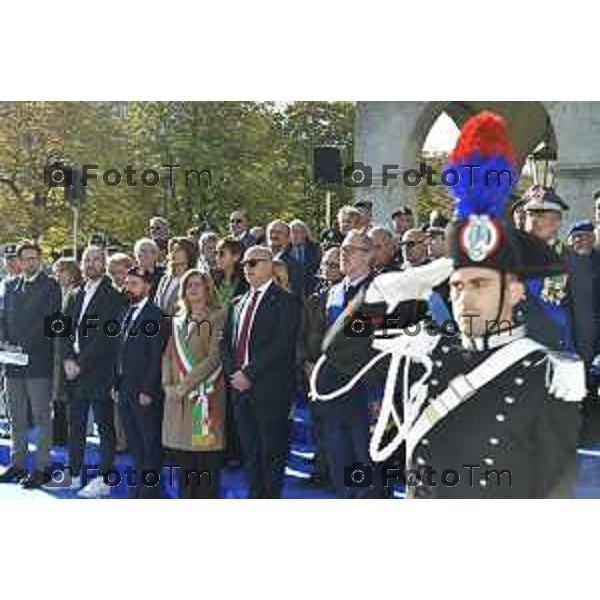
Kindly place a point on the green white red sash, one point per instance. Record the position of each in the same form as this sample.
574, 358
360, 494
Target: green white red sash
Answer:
202, 397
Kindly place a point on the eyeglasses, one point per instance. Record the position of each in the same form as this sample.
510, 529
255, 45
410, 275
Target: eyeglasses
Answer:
253, 262
411, 245
347, 249
236, 221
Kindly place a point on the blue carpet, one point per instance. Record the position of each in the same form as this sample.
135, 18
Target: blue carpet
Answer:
233, 483
299, 467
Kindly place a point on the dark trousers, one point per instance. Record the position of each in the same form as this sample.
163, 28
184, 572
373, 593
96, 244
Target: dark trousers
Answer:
80, 398
193, 481
320, 468
263, 428
346, 438
60, 425
233, 449
143, 432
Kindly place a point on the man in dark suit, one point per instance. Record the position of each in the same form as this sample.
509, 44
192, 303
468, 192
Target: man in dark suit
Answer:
581, 240
238, 225
278, 237
140, 395
11, 278
89, 366
307, 253
147, 254
257, 350
29, 302
12, 270
158, 230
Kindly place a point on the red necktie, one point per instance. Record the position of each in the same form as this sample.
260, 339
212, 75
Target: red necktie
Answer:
242, 343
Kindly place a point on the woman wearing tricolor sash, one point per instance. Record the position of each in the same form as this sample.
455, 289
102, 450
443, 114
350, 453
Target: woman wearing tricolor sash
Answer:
194, 410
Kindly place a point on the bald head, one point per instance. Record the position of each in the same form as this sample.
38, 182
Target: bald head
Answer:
258, 265
356, 254
414, 246
383, 246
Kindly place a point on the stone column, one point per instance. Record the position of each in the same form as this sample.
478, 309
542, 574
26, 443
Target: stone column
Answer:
390, 133
577, 128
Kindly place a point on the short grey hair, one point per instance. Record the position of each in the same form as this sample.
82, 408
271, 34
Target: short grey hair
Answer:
278, 222
161, 221
362, 237
143, 242
120, 257
207, 236
264, 249
384, 231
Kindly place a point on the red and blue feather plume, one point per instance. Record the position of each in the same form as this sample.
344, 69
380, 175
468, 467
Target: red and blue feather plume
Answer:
483, 142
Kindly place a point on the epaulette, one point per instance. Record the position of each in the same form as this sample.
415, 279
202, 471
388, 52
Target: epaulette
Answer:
565, 376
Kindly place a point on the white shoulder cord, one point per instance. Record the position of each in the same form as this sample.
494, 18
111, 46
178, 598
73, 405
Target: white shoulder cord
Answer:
404, 347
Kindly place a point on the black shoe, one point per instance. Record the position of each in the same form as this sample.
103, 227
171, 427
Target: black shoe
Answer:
35, 480
13, 474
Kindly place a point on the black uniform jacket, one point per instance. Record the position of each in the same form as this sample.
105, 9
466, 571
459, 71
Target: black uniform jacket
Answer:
512, 439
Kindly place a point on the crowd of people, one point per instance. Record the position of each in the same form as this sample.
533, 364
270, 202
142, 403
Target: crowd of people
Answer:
242, 319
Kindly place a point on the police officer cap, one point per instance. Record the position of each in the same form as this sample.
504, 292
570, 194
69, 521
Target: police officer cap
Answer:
541, 199
10, 250
581, 226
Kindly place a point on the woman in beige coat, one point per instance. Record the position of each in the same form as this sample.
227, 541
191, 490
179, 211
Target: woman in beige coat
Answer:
194, 409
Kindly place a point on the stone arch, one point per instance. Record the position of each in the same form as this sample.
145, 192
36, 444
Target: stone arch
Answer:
527, 121
394, 133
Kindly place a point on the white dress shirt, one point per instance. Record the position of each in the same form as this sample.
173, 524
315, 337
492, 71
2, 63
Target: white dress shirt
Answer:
136, 313
261, 294
91, 287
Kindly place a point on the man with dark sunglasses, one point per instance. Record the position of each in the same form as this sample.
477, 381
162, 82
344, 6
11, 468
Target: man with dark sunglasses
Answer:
414, 248
158, 231
258, 355
238, 225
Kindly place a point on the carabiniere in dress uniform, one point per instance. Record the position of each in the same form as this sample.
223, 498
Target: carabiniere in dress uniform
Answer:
488, 412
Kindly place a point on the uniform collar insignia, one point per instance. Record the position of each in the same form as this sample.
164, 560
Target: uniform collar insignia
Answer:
494, 340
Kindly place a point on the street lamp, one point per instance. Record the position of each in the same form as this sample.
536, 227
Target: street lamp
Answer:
542, 161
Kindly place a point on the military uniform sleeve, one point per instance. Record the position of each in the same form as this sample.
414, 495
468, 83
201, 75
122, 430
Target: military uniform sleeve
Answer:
556, 434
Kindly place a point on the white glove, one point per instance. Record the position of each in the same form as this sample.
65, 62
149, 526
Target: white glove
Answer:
415, 283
